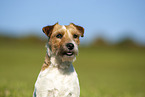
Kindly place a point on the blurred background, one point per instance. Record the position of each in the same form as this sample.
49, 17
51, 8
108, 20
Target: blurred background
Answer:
111, 62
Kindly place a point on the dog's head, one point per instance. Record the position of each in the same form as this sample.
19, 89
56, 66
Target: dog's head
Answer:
64, 40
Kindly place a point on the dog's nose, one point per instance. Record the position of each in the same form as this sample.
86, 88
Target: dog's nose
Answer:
70, 46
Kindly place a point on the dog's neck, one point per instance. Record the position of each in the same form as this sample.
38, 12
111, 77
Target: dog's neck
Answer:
56, 61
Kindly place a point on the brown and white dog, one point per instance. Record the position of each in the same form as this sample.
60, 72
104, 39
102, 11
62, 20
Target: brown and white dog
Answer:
58, 77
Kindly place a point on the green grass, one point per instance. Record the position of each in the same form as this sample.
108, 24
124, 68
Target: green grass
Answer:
103, 72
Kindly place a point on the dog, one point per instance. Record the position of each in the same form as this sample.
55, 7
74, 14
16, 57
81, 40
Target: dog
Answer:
58, 77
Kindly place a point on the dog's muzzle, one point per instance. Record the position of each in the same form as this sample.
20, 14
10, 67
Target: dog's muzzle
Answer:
68, 50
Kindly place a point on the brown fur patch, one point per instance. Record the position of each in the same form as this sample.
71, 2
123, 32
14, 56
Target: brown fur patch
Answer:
46, 63
78, 28
49, 29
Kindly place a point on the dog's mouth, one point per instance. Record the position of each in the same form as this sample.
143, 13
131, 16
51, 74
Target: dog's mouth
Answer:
69, 53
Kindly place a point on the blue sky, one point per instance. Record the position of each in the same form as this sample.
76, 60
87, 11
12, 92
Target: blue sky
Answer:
111, 19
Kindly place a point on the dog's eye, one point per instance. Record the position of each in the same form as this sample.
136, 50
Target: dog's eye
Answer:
75, 36
59, 36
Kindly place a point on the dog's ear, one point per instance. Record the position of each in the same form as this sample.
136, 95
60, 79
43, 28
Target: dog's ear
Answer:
81, 29
48, 29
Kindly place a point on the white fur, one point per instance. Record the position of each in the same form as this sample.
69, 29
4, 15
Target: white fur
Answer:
58, 80
63, 27
54, 82
69, 34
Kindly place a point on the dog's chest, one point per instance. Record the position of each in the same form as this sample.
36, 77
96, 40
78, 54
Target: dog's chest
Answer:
55, 83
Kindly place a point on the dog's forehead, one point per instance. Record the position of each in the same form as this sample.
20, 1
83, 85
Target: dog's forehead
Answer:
58, 27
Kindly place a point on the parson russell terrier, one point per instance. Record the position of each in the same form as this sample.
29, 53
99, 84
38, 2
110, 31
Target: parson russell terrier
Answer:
58, 77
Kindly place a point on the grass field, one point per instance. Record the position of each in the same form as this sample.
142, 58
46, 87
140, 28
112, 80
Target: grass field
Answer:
103, 72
